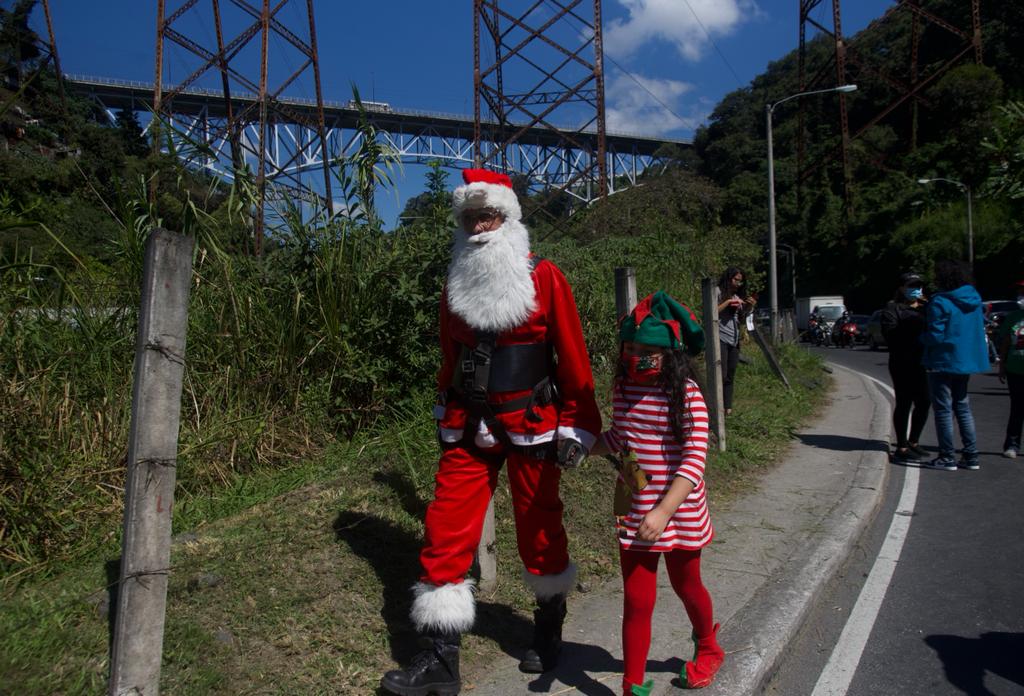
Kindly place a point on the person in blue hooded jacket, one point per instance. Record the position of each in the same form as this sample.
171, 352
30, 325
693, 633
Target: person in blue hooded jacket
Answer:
954, 349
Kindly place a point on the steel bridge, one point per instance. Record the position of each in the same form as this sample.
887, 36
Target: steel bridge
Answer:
199, 118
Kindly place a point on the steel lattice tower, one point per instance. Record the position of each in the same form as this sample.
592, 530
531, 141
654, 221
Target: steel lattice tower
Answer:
237, 64
849, 65
540, 63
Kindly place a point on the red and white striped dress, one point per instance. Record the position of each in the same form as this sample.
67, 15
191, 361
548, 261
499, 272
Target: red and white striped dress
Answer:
640, 424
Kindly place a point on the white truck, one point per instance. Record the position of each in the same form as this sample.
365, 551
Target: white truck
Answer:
832, 306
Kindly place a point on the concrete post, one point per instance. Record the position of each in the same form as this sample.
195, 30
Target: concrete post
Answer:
625, 291
486, 553
710, 293
152, 456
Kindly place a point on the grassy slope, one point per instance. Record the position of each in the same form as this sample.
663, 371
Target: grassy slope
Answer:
307, 592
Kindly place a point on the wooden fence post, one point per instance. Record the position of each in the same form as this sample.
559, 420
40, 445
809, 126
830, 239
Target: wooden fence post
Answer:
152, 457
710, 293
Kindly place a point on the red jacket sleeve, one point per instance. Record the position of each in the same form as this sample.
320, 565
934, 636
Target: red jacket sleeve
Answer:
579, 417
449, 353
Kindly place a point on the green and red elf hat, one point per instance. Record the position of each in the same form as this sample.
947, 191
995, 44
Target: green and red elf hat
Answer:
659, 320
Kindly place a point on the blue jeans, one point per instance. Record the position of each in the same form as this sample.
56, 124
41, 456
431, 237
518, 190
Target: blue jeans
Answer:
949, 400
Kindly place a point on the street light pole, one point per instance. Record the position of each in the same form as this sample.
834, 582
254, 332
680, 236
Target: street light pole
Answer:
773, 283
970, 215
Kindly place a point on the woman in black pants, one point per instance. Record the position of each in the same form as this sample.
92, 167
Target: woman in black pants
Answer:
733, 306
902, 323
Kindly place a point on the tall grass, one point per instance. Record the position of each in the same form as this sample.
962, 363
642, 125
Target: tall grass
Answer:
315, 339
330, 331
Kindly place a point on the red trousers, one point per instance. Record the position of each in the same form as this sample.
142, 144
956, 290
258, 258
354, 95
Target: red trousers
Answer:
463, 486
640, 580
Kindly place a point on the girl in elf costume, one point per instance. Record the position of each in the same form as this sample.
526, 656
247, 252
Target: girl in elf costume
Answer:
660, 422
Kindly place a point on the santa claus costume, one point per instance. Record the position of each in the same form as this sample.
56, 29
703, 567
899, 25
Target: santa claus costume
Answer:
515, 386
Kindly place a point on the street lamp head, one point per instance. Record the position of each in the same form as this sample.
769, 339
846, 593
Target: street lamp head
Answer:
924, 181
846, 88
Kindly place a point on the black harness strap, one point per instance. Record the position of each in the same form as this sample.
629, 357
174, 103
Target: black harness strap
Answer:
476, 370
489, 368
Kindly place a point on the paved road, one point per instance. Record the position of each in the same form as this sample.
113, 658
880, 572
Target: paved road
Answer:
951, 618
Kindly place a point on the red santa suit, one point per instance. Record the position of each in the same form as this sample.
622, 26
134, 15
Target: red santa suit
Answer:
496, 287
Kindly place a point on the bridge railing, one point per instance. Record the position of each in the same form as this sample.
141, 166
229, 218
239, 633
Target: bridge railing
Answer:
330, 104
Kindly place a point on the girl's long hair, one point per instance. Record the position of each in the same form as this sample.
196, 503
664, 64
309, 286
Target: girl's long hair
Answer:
676, 371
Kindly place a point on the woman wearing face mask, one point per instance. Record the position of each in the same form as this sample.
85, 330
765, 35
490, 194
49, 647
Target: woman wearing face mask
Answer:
903, 320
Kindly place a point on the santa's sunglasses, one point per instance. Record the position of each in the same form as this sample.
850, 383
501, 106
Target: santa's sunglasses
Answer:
485, 215
916, 285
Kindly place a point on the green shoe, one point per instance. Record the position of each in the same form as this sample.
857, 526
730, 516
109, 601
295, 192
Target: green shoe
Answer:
644, 690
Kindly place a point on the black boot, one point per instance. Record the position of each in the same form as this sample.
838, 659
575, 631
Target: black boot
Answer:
434, 670
548, 618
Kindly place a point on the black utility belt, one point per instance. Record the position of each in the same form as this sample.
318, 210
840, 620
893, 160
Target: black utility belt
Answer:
541, 394
509, 368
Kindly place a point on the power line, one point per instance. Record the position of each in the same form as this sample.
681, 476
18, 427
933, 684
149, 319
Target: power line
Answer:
739, 82
628, 73
644, 87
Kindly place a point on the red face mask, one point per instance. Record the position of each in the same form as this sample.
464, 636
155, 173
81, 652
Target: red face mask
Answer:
642, 368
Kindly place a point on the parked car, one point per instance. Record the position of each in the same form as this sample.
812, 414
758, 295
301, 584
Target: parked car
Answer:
873, 330
995, 310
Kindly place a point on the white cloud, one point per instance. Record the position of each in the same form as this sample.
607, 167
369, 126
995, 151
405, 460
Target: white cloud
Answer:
673, 21
649, 106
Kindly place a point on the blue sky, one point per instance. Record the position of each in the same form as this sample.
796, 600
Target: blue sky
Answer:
418, 54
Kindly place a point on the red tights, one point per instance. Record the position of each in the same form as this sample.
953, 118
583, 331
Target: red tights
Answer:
640, 576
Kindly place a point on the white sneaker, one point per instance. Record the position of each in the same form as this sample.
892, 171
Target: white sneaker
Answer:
1010, 452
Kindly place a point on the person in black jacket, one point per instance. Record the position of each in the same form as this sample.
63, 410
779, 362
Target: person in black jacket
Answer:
903, 320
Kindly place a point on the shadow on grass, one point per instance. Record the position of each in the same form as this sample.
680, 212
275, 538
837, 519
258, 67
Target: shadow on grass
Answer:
405, 489
393, 553
966, 660
112, 568
843, 443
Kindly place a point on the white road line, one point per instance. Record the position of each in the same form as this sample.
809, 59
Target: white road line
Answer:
842, 665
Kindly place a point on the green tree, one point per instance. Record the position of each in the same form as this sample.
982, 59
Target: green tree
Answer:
1005, 147
18, 43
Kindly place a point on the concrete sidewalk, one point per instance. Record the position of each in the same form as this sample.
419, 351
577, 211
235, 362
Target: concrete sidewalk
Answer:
774, 550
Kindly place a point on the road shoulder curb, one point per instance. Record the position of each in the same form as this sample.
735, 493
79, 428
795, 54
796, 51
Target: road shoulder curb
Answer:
756, 636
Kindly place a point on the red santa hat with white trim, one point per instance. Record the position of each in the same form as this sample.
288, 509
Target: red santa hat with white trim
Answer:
486, 189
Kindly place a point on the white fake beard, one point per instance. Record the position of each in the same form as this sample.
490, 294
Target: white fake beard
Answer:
489, 281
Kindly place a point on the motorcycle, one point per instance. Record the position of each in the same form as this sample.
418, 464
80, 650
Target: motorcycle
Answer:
818, 332
844, 333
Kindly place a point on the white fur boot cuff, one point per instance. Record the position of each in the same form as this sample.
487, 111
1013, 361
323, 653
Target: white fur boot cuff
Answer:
547, 586
448, 608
